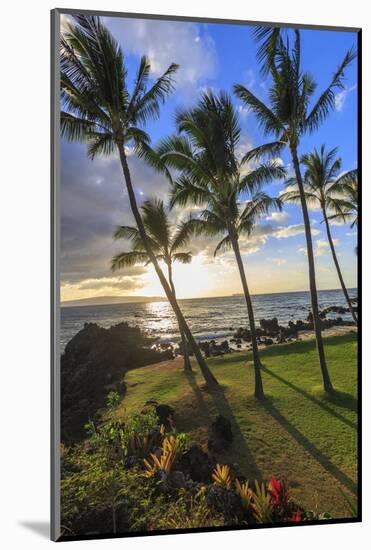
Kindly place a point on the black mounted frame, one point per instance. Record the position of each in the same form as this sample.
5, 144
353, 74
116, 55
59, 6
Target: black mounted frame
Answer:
55, 280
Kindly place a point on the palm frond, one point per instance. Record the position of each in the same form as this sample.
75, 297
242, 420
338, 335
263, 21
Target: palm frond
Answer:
184, 192
128, 259
100, 144
182, 257
260, 204
268, 38
265, 173
74, 128
326, 101
269, 150
223, 245
156, 222
147, 106
266, 119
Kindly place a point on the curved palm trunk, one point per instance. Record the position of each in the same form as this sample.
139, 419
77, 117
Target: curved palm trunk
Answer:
334, 257
312, 274
258, 392
186, 360
207, 374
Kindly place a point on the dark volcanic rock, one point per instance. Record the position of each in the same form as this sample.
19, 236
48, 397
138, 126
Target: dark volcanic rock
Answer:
270, 326
93, 364
165, 415
221, 435
212, 349
197, 464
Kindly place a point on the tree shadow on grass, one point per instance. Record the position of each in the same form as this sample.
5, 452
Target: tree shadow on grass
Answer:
310, 448
338, 398
239, 443
202, 405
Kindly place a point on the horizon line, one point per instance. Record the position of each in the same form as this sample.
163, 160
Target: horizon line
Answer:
164, 299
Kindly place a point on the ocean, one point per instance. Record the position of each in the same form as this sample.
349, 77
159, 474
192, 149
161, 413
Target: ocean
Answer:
208, 318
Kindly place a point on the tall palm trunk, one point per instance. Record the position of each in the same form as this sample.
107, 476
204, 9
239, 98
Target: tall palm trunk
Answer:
207, 374
258, 392
312, 274
331, 243
186, 361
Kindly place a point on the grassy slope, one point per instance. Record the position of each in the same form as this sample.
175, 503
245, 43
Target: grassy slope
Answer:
298, 432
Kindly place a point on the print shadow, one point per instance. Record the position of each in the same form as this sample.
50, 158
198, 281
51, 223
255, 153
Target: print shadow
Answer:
302, 440
41, 528
338, 398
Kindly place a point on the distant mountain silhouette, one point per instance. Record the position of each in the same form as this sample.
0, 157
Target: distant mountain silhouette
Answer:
107, 300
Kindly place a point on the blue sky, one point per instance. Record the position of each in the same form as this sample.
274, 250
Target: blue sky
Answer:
210, 56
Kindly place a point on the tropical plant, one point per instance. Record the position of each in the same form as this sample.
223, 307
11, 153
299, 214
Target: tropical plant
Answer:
244, 493
170, 448
278, 493
261, 503
289, 117
99, 109
166, 243
222, 476
212, 175
321, 187
112, 400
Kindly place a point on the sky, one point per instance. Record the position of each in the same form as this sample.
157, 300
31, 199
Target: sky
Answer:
94, 199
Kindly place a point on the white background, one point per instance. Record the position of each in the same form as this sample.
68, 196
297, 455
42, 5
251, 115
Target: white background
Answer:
24, 285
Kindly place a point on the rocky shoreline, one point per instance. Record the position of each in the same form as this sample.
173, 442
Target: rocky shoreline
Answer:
270, 332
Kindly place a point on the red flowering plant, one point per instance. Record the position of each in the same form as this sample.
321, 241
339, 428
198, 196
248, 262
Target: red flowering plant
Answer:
284, 508
296, 517
278, 493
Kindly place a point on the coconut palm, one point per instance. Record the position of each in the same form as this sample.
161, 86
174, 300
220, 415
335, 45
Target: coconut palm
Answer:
165, 243
345, 198
288, 117
100, 110
213, 175
320, 184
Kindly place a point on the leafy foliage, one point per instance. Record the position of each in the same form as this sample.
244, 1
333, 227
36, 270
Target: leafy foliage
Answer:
245, 493
170, 448
222, 476
262, 504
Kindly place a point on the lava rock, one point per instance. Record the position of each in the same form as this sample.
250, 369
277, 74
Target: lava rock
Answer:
221, 435
94, 363
197, 464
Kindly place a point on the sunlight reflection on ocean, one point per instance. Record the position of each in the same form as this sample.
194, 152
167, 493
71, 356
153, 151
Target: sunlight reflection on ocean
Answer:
207, 317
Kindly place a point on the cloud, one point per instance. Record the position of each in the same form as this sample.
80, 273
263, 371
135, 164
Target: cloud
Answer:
277, 261
278, 217
165, 42
93, 203
321, 247
292, 231
340, 97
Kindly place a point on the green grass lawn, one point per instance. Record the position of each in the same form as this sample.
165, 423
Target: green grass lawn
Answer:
297, 433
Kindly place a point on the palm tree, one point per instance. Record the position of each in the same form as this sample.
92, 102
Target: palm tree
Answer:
320, 184
100, 111
165, 243
288, 118
212, 175
345, 198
